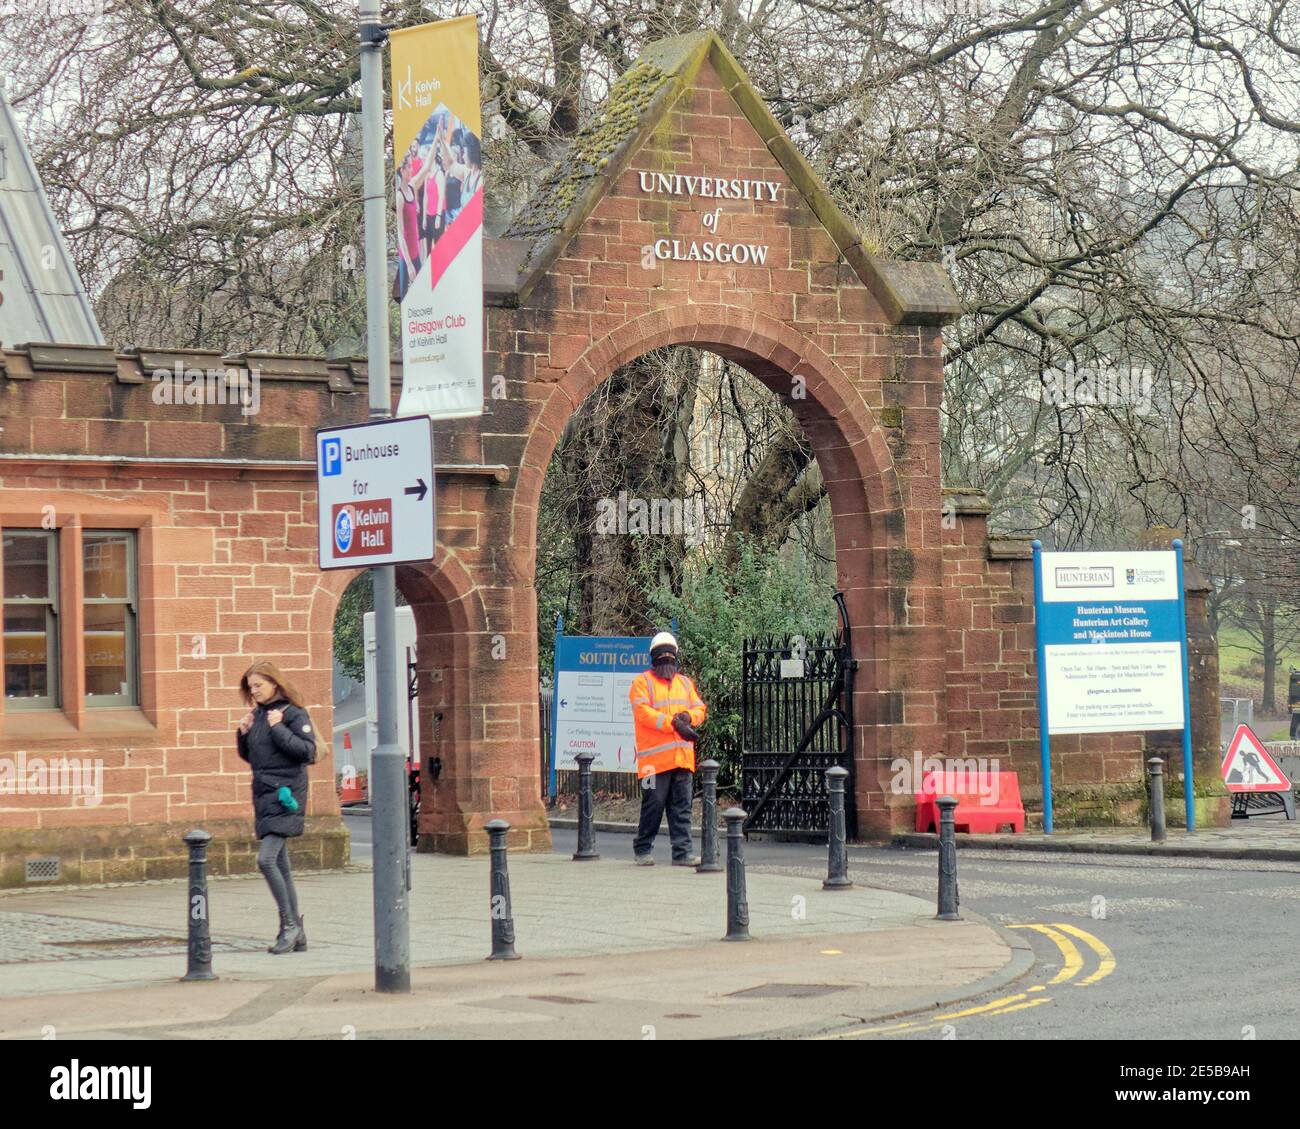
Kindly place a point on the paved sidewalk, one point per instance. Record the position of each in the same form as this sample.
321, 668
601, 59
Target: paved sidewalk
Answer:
1263, 837
820, 958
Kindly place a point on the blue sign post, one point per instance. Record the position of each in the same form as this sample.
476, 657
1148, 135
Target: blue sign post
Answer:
1111, 634
559, 632
1044, 737
1189, 799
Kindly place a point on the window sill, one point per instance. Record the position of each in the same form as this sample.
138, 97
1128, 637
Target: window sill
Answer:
53, 725
117, 719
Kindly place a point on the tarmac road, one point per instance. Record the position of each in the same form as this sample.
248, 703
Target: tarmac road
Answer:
1132, 947
1126, 947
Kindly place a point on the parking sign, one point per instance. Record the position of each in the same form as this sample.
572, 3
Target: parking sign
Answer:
331, 457
375, 493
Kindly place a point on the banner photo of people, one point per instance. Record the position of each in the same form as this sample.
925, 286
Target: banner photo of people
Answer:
438, 192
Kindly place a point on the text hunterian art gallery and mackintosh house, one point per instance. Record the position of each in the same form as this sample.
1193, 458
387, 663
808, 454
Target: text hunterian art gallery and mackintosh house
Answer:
153, 549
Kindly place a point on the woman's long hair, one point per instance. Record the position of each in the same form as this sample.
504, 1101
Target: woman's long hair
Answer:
271, 673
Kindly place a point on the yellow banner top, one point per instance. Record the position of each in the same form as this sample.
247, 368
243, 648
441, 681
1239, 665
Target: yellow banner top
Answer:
435, 66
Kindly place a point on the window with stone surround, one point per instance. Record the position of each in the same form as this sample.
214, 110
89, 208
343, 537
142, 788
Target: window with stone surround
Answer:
31, 610
54, 617
109, 617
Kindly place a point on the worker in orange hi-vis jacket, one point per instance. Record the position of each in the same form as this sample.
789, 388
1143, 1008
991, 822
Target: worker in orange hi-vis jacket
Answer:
666, 710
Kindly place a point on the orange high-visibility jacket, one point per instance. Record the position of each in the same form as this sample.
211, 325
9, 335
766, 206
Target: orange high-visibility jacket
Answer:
654, 705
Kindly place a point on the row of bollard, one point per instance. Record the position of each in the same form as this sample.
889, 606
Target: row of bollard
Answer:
837, 863
503, 926
199, 958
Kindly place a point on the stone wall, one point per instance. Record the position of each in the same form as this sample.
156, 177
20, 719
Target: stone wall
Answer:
1097, 778
222, 501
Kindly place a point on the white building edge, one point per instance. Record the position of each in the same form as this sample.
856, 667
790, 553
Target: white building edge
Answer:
42, 298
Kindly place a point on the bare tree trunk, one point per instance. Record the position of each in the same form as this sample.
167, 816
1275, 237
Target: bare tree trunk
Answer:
1268, 639
631, 446
771, 502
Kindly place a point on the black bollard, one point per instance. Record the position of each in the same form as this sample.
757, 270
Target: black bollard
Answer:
1156, 765
503, 922
837, 863
737, 903
709, 819
948, 898
199, 952
586, 832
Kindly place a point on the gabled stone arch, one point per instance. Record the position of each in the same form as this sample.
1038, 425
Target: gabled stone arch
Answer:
576, 294
868, 513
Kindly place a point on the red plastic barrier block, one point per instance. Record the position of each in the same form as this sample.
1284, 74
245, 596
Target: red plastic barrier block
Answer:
985, 800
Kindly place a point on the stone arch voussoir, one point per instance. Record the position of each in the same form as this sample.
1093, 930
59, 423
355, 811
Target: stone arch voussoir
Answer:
842, 427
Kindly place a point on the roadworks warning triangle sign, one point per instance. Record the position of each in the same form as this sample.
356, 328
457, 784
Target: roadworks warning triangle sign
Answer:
1247, 767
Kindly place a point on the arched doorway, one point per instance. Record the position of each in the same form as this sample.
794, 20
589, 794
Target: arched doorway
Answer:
864, 493
447, 615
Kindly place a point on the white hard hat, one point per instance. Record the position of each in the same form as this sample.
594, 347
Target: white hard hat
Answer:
663, 639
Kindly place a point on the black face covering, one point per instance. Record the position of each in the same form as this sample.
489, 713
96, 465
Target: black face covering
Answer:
665, 667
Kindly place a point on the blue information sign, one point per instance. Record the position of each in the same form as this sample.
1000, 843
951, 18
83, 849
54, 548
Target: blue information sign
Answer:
590, 711
1112, 648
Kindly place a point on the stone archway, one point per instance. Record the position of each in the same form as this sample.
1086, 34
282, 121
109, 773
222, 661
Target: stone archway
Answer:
582, 283
450, 620
857, 466
448, 616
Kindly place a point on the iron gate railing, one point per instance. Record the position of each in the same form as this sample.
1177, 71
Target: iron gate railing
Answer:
796, 727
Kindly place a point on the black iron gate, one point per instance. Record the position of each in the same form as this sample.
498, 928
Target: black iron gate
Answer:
797, 721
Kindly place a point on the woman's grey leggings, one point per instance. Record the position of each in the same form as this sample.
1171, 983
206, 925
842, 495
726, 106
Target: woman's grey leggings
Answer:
273, 862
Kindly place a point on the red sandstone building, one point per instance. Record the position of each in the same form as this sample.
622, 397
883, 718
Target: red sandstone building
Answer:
152, 550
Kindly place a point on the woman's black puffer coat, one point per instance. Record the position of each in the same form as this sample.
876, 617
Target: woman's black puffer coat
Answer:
279, 755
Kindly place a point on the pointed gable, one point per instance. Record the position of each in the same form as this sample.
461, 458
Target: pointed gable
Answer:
687, 103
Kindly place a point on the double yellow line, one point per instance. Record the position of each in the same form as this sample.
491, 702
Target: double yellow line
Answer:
1073, 959
1072, 964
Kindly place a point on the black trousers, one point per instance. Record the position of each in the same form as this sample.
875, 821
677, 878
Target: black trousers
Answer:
273, 862
673, 790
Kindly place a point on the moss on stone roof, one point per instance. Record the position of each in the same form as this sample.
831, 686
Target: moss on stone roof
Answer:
637, 103
589, 155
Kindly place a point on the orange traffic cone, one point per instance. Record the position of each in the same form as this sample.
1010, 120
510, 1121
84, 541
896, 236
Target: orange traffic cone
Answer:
350, 791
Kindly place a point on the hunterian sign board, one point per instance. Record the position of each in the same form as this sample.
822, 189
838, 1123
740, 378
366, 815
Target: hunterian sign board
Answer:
1112, 635
1112, 649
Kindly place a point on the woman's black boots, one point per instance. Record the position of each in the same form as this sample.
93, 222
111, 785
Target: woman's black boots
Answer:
300, 945
290, 934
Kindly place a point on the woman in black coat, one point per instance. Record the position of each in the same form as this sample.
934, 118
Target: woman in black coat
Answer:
277, 739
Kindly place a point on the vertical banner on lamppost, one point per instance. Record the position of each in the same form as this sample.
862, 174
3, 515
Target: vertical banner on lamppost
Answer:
438, 189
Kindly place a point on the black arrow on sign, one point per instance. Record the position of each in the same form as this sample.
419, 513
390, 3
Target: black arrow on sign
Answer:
419, 490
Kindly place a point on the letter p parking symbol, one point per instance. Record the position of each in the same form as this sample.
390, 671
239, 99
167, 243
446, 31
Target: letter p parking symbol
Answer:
331, 457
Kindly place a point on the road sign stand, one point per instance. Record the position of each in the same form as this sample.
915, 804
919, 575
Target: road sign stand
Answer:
1247, 756
1044, 737
1189, 792
375, 495
1246, 804
388, 792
